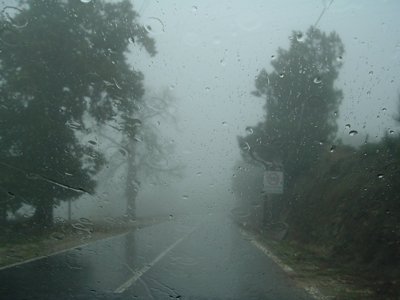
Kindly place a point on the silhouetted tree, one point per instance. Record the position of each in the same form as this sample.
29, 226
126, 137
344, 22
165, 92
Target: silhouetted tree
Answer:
301, 103
63, 71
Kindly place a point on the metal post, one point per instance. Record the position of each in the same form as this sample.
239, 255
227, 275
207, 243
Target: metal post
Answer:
69, 210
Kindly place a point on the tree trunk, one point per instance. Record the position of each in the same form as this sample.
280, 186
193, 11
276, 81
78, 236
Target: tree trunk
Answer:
43, 216
132, 185
3, 214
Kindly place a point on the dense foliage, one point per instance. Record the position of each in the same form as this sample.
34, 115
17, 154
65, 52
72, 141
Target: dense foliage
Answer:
63, 71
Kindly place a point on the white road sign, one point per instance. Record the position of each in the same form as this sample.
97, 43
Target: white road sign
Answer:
273, 182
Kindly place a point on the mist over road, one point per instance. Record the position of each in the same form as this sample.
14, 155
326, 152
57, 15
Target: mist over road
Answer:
192, 257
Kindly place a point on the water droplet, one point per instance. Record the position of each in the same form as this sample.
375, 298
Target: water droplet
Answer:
273, 57
281, 75
207, 89
154, 25
73, 125
80, 227
384, 109
371, 72
381, 176
199, 173
333, 148
353, 132
171, 217
86, 1
300, 37
57, 236
92, 142
185, 197
11, 13
85, 221
249, 130
194, 8
224, 123
339, 58
116, 84
317, 80
391, 131
347, 126
246, 147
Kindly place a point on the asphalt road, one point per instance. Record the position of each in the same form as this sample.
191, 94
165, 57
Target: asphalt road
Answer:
186, 258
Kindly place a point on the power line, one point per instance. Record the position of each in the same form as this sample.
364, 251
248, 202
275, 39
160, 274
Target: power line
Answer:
322, 13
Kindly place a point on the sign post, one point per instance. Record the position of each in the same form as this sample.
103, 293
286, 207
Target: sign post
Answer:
273, 182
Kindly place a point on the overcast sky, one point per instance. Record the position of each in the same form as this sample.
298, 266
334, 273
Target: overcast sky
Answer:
209, 53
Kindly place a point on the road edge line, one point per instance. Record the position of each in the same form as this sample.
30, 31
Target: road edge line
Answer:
59, 252
311, 290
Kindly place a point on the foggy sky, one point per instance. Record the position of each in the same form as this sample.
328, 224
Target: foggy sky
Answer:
209, 53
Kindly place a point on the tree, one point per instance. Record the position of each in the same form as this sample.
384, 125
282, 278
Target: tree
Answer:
63, 71
301, 103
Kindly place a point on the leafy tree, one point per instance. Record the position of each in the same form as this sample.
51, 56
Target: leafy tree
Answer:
63, 72
301, 103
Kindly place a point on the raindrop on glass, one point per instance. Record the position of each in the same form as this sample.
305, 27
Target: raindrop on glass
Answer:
317, 80
224, 123
281, 75
154, 25
333, 148
380, 176
10, 13
194, 8
73, 125
57, 236
300, 37
353, 132
347, 126
185, 197
246, 147
86, 1
249, 130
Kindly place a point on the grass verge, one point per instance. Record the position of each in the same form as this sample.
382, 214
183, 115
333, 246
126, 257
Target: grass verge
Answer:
22, 242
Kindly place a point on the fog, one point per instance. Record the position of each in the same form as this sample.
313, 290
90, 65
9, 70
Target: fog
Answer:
209, 53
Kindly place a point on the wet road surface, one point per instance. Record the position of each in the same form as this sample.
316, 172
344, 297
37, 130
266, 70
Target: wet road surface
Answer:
186, 258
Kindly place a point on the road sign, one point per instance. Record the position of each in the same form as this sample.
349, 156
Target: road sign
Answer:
273, 182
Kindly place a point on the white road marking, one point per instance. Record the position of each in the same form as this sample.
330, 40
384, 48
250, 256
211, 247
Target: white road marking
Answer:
139, 273
59, 252
311, 290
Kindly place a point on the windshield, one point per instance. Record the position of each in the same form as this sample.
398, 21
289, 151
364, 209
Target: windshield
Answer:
199, 149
